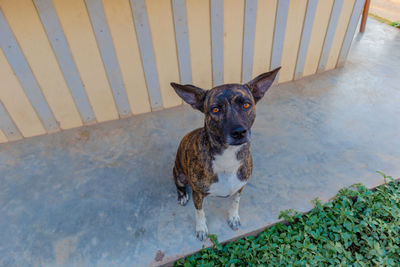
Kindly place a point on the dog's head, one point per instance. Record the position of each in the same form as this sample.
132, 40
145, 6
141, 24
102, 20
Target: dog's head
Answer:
229, 109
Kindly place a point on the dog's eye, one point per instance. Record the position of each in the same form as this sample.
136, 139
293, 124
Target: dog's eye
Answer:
246, 105
215, 110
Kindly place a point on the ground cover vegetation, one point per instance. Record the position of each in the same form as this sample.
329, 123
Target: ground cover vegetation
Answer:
359, 227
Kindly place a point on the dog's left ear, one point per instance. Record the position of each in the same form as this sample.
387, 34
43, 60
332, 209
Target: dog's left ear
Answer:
260, 84
191, 94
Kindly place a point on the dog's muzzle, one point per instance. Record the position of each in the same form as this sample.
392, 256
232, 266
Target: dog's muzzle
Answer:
238, 135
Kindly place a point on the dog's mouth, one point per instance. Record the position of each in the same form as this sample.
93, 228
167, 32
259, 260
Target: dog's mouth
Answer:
237, 142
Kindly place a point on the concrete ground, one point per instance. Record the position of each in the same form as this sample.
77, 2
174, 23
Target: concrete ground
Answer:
104, 195
388, 9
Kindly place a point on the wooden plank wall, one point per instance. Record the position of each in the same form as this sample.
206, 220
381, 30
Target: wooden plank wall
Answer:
68, 63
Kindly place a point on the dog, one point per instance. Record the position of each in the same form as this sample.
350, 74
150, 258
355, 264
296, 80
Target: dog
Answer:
216, 160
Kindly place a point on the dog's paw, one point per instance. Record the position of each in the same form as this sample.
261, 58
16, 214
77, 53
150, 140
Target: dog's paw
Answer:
183, 200
234, 222
202, 234
202, 231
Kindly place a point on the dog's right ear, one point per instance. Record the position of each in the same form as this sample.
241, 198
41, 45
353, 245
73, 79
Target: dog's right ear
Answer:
191, 94
260, 84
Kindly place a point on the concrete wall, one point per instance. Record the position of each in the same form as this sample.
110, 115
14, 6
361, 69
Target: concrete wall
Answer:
68, 63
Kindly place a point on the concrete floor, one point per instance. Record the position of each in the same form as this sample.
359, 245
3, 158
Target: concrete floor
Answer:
104, 196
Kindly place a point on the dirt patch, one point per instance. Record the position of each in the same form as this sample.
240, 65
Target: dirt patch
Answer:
388, 9
159, 256
83, 136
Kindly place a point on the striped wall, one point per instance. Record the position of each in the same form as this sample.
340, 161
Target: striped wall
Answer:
68, 63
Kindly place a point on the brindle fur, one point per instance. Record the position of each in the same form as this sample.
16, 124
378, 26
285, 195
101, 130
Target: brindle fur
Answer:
198, 149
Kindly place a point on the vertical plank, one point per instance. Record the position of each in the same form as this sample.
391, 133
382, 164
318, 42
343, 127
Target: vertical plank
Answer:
317, 38
106, 47
75, 23
296, 14
330, 34
364, 15
199, 26
250, 18
279, 33
7, 126
38, 53
61, 49
217, 41
182, 40
123, 33
14, 55
162, 32
16, 102
341, 28
264, 36
147, 52
355, 17
233, 40
305, 37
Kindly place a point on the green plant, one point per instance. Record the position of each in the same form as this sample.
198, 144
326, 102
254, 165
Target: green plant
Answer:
384, 20
359, 227
395, 24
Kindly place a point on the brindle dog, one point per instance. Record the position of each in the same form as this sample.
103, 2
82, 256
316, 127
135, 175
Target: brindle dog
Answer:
216, 160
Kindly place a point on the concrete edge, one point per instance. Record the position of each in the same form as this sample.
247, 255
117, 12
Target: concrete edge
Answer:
169, 261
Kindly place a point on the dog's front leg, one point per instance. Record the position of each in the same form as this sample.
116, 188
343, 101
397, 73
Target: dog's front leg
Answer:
201, 224
233, 213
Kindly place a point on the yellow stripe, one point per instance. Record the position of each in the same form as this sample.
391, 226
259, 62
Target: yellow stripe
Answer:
3, 137
16, 102
296, 14
233, 40
320, 26
163, 35
340, 33
76, 25
26, 25
120, 21
266, 12
198, 13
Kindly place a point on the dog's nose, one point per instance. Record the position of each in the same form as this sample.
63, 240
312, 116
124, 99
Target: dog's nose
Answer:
238, 132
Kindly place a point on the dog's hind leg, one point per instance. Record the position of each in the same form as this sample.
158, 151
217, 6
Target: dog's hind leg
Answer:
181, 183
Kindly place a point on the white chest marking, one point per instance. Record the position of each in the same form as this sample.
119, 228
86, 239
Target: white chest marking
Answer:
226, 167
